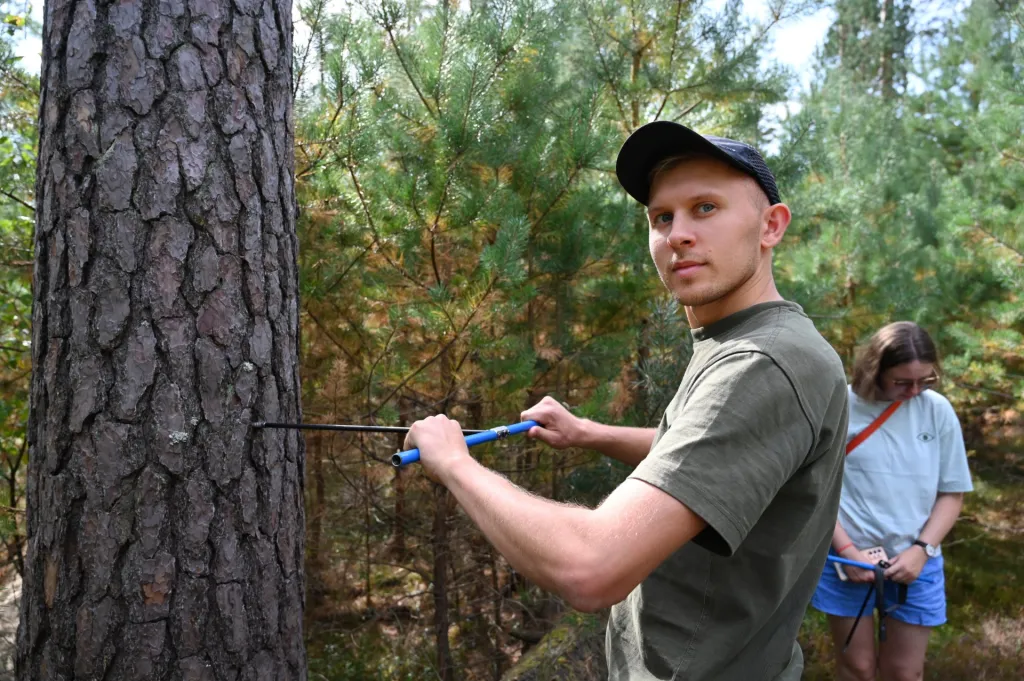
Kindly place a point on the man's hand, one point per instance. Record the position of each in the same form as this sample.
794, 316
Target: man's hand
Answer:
558, 427
857, 575
906, 567
441, 444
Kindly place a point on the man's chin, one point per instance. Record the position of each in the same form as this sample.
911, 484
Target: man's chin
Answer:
697, 298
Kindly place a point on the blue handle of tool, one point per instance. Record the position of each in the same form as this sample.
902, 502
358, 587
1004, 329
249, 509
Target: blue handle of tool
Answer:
413, 455
854, 563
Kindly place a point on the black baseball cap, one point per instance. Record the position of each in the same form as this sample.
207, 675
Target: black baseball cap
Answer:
652, 143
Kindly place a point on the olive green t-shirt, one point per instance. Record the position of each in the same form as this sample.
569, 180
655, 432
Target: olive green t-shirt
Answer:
753, 443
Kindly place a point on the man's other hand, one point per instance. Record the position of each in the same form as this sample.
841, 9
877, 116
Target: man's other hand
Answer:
558, 427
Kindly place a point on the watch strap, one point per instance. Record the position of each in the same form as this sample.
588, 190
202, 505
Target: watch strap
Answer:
929, 550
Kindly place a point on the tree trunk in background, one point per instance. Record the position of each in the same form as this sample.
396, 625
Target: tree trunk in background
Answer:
165, 535
317, 510
888, 42
439, 540
398, 547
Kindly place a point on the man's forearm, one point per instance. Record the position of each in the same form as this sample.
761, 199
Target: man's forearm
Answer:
625, 444
546, 541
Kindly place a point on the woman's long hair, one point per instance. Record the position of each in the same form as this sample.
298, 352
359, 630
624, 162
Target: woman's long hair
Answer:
892, 345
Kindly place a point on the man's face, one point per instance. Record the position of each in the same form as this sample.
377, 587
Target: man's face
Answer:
706, 220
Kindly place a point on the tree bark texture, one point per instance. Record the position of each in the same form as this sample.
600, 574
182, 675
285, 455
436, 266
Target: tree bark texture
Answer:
165, 534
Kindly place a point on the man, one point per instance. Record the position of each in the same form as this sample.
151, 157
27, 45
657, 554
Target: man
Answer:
710, 551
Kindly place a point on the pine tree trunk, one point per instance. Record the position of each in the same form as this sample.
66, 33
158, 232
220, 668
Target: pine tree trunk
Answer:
318, 508
496, 607
439, 540
165, 535
888, 22
398, 547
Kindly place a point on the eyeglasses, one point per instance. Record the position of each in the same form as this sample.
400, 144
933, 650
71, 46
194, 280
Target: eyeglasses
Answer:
924, 383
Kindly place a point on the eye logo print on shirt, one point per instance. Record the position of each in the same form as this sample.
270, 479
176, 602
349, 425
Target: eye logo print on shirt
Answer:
925, 437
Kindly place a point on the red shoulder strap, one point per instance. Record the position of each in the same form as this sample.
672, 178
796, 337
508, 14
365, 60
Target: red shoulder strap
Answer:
874, 425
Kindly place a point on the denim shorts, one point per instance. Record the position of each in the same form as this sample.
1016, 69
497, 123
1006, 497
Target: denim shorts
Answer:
926, 596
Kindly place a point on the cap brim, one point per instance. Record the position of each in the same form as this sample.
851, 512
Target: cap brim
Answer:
651, 143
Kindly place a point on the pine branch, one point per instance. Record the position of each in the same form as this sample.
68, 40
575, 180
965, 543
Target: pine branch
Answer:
609, 80
330, 337
445, 26
372, 413
1016, 251
321, 156
440, 353
672, 53
688, 109
309, 44
12, 197
558, 197
344, 273
981, 389
1012, 157
433, 232
373, 366
388, 28
373, 229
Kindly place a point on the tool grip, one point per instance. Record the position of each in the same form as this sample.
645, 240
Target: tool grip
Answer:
500, 433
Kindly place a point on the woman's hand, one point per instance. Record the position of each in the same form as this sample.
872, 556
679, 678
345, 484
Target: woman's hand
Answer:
906, 567
857, 575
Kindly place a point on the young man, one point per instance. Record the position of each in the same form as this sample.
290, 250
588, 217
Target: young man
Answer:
710, 551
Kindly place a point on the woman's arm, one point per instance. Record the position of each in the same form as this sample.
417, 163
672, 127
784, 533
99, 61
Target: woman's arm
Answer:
845, 548
943, 516
908, 565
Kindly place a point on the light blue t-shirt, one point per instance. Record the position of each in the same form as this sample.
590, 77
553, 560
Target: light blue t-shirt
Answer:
893, 478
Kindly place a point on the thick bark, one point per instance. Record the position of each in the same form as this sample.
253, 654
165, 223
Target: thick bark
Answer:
165, 535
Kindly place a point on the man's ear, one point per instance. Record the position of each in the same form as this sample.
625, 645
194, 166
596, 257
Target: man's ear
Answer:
775, 221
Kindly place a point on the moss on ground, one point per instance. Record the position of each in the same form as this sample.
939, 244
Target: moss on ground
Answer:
572, 651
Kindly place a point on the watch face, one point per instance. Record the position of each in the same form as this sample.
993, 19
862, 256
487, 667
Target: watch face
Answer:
931, 551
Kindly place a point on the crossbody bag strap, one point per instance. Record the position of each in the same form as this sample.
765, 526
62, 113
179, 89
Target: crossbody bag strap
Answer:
872, 427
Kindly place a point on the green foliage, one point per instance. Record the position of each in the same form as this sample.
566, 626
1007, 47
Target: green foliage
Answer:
908, 205
19, 102
453, 162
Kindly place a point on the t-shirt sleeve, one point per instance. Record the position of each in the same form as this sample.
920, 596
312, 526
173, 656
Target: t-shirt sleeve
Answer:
740, 436
954, 473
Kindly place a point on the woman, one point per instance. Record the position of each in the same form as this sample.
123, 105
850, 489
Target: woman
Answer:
902, 491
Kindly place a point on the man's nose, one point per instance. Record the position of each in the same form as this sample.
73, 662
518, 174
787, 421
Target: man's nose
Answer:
681, 233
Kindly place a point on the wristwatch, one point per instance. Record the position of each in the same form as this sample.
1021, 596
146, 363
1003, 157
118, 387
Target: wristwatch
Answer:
932, 551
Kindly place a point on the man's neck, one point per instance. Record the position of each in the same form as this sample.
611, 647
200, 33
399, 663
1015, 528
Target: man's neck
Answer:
752, 292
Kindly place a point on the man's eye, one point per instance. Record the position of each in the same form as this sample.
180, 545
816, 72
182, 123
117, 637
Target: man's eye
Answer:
705, 207
663, 218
